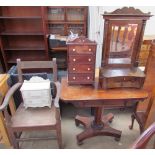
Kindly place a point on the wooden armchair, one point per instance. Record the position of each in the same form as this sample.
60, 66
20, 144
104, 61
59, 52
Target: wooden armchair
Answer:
144, 138
35, 119
141, 116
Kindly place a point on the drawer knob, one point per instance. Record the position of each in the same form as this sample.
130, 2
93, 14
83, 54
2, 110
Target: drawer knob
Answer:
74, 49
73, 69
88, 77
74, 59
88, 69
89, 49
89, 59
74, 78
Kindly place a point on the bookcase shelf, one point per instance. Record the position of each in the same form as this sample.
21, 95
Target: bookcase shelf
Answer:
62, 20
24, 17
24, 31
23, 34
25, 49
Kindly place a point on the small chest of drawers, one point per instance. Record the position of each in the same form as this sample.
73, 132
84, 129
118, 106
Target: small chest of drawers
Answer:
36, 93
81, 61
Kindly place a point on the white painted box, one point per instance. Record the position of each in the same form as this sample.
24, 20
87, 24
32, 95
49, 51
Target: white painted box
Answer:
36, 92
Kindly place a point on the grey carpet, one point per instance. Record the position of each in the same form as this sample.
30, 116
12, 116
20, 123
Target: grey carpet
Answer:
121, 121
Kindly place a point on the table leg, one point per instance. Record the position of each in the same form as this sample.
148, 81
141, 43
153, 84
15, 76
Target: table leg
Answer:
97, 126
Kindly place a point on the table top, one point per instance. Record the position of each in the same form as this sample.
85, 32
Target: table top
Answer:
72, 93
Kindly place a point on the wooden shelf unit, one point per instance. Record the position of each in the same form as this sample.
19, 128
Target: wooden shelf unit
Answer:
60, 20
24, 31
22, 34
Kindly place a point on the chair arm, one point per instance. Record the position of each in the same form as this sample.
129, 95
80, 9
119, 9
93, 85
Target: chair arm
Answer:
56, 100
1, 98
9, 95
144, 138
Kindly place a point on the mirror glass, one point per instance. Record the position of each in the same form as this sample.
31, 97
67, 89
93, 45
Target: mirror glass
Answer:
121, 43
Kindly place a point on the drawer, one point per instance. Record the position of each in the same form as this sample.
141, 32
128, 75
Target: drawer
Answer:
37, 102
36, 93
80, 78
124, 82
83, 49
82, 59
81, 68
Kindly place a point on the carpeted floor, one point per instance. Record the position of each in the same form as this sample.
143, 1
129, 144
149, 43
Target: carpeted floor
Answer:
69, 131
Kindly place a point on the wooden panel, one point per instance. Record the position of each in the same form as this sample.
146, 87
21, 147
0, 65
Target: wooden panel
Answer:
24, 42
78, 93
150, 86
144, 53
21, 11
18, 25
30, 55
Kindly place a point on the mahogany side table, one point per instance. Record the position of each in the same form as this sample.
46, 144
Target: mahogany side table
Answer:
89, 96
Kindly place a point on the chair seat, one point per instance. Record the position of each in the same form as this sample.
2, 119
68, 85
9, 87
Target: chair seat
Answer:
33, 117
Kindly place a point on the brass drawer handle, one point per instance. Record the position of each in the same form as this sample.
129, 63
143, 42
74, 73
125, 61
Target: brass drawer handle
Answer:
89, 59
88, 77
74, 78
74, 49
89, 49
73, 69
74, 60
88, 69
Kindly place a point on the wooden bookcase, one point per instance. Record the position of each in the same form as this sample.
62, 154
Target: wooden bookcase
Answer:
24, 31
61, 20
22, 34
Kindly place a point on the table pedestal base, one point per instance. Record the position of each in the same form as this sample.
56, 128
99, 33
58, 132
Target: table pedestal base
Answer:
95, 129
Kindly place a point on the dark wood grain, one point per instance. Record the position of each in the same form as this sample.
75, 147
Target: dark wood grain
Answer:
33, 118
144, 138
89, 93
123, 35
92, 96
23, 28
81, 61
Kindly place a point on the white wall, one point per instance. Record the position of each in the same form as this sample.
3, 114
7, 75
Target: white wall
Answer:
96, 25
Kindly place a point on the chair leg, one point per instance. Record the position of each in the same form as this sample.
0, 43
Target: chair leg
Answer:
154, 144
59, 135
13, 139
132, 121
141, 128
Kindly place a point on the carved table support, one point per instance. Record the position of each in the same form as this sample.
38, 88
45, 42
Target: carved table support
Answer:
99, 125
